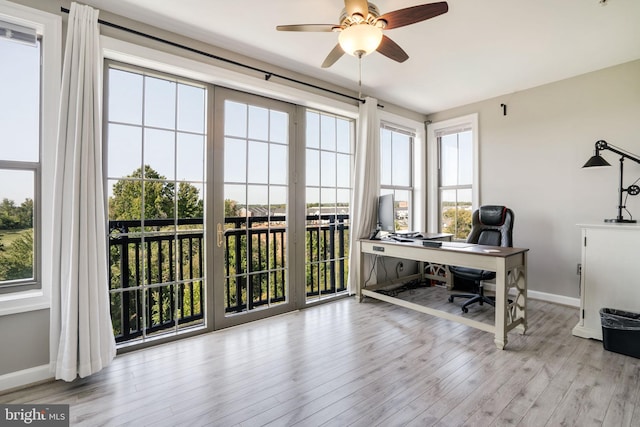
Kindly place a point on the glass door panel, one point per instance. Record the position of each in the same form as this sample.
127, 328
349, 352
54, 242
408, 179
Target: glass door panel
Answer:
253, 251
155, 136
328, 189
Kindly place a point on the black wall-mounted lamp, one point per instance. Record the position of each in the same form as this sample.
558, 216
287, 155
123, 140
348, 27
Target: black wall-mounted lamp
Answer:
597, 160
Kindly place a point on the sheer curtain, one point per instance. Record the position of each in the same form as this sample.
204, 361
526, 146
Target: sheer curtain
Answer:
366, 184
82, 341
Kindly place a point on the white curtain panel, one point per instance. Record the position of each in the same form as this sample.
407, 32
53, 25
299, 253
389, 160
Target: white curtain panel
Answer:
82, 341
366, 184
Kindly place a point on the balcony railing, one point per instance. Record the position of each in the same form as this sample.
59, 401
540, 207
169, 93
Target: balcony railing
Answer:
327, 247
156, 281
174, 288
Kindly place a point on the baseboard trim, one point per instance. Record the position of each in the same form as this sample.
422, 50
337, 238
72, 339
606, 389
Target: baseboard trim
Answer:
24, 378
554, 298
544, 296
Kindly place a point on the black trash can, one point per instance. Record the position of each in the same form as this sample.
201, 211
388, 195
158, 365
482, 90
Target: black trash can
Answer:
621, 331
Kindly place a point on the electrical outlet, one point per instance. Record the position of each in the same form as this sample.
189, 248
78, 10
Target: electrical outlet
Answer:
400, 266
579, 269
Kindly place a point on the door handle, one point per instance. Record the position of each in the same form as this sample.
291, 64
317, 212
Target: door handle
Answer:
220, 235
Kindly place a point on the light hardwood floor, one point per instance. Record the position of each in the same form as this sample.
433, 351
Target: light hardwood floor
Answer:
345, 363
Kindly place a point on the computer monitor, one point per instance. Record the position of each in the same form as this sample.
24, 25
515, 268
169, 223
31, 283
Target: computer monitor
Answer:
386, 213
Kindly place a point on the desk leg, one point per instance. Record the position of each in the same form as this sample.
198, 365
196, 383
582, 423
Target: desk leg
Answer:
521, 302
361, 273
501, 304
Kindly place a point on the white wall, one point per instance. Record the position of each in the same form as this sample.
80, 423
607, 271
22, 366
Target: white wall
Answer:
531, 160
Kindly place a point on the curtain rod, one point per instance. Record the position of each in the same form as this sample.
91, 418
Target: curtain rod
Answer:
267, 74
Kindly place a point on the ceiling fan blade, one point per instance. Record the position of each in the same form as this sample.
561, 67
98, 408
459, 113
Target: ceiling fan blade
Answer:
391, 50
411, 15
307, 27
356, 6
333, 56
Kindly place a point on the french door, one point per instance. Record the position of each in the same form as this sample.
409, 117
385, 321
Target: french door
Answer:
215, 218
155, 141
253, 256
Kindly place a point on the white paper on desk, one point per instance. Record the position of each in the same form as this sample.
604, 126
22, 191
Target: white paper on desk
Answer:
455, 245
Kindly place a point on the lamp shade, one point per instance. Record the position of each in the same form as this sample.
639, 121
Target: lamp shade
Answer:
596, 160
360, 39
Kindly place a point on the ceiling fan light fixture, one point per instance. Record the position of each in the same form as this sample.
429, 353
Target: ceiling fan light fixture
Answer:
360, 39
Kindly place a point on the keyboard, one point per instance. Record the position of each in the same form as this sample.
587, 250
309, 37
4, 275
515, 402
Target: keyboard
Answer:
408, 235
400, 239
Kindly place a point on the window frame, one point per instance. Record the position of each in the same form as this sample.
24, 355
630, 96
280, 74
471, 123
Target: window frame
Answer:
34, 282
36, 294
146, 284
320, 149
390, 188
433, 147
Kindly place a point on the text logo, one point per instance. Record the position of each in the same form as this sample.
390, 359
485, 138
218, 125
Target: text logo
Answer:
34, 415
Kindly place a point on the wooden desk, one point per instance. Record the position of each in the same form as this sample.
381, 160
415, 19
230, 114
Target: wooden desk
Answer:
510, 265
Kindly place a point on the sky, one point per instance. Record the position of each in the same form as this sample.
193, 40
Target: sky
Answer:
457, 156
156, 122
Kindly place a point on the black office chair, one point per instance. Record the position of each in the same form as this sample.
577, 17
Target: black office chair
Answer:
491, 225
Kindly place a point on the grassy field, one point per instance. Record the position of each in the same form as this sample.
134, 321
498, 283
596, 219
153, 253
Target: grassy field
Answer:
7, 237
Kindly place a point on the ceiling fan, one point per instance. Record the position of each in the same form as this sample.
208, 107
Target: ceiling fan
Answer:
361, 28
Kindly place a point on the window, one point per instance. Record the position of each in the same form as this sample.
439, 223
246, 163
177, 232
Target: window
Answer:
156, 131
256, 188
329, 139
327, 263
19, 161
29, 83
396, 171
456, 175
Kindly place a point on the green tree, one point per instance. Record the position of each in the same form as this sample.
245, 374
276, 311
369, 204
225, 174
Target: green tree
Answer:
126, 202
16, 262
457, 222
16, 255
190, 205
9, 219
25, 214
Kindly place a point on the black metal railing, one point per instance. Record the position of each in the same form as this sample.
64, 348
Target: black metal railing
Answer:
256, 248
255, 268
173, 276
327, 243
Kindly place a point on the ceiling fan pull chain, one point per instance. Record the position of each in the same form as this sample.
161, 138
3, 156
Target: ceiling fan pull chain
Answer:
360, 76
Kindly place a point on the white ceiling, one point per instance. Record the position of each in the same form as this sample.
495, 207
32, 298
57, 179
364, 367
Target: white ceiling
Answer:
478, 50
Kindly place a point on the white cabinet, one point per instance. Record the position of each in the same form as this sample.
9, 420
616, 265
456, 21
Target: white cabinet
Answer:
610, 274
